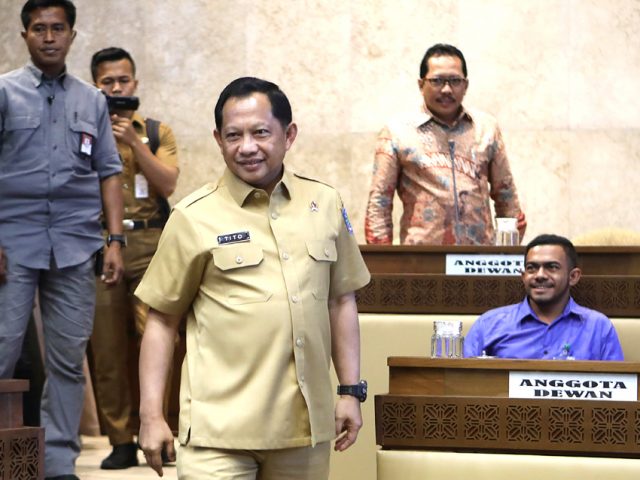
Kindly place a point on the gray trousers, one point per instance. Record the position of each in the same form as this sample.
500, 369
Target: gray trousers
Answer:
67, 303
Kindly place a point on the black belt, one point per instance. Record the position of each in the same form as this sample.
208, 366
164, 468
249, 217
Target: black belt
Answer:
128, 224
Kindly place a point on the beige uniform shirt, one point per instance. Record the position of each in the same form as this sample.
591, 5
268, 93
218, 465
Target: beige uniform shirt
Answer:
254, 274
139, 205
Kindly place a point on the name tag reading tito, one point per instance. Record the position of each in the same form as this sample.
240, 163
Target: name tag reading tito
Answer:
237, 237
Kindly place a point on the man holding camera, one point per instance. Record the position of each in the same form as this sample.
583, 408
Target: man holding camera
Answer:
150, 171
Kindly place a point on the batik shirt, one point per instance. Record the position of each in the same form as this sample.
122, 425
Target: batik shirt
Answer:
442, 205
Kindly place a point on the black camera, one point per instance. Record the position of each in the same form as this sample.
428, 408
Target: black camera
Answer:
122, 103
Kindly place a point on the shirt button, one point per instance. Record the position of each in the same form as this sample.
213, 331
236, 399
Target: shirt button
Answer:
55, 147
299, 342
239, 259
257, 194
274, 215
326, 252
301, 378
285, 256
294, 299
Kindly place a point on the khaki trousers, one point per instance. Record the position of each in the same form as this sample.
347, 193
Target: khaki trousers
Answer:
121, 317
303, 463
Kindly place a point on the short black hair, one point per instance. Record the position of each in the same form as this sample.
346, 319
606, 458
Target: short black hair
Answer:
550, 239
110, 54
440, 50
32, 5
244, 87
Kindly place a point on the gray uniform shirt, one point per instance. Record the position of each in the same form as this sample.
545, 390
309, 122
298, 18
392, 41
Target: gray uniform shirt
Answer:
56, 144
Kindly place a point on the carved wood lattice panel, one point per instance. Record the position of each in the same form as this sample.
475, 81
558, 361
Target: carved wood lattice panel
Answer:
504, 424
485, 292
481, 423
24, 458
566, 425
438, 293
367, 294
424, 293
609, 426
524, 423
394, 291
440, 421
615, 294
399, 420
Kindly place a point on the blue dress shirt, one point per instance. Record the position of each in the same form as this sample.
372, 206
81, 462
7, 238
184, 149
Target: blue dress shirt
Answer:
514, 331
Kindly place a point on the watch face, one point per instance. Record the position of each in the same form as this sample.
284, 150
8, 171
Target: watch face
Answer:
116, 238
363, 391
359, 390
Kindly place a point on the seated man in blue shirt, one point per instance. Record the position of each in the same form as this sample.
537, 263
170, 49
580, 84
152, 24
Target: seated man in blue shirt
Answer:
548, 323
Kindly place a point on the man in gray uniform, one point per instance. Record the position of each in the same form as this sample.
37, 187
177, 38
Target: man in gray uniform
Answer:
58, 170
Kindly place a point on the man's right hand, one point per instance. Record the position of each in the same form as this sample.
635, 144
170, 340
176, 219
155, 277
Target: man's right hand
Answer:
123, 130
154, 436
3, 266
113, 265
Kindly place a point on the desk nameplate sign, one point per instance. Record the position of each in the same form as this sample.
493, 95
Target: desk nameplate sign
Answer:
484, 264
620, 387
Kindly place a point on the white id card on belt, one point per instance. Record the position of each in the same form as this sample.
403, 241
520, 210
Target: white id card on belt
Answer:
142, 186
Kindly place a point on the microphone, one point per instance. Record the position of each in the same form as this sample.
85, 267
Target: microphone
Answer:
452, 148
452, 155
50, 99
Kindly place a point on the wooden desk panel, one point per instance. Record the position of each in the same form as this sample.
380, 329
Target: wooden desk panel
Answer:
463, 404
382, 259
615, 296
493, 424
21, 448
411, 279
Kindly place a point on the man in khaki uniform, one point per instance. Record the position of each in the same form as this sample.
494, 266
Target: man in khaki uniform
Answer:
148, 178
265, 265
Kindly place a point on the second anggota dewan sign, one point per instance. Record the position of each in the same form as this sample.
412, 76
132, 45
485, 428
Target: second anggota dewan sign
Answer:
622, 387
481, 264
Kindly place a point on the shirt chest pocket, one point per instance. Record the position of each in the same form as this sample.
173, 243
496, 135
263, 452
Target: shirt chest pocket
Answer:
21, 122
241, 278
323, 254
81, 139
19, 133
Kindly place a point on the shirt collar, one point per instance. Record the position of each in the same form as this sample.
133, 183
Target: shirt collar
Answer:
38, 77
424, 116
240, 190
525, 311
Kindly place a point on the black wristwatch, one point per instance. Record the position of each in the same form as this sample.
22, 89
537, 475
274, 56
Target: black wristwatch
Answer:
117, 238
359, 391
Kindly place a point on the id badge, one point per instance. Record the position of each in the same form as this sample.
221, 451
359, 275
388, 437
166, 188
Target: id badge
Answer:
142, 186
86, 144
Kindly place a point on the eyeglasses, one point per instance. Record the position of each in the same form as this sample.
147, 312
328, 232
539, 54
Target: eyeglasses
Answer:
440, 82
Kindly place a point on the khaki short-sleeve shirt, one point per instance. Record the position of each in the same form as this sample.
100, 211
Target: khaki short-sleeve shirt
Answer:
141, 202
254, 274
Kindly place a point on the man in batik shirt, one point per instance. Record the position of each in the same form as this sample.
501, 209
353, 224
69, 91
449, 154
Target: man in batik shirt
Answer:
446, 162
